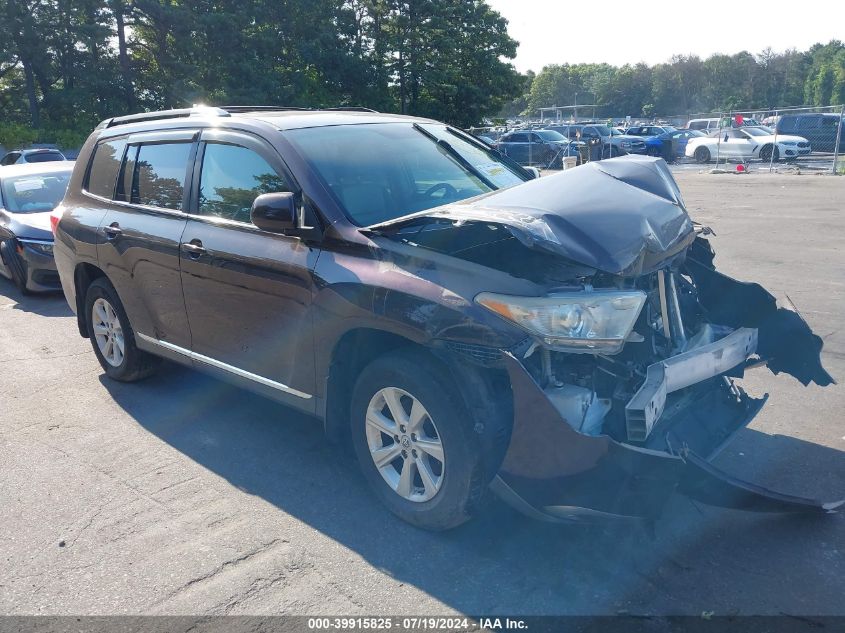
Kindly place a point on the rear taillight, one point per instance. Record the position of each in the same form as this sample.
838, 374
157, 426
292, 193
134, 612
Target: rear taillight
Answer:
55, 216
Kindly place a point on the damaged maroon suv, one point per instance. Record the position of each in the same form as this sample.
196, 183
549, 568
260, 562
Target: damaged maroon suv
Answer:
564, 342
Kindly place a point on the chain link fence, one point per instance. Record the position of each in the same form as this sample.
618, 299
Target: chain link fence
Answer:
806, 139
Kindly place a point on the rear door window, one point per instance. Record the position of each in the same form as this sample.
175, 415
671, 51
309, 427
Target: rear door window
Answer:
154, 175
104, 167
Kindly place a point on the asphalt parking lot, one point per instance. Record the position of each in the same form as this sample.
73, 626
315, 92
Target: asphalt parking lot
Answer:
183, 495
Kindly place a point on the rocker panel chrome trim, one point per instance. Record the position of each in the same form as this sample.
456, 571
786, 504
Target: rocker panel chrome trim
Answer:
237, 371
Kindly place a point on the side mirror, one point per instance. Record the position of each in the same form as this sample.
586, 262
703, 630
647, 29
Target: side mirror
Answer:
274, 212
534, 171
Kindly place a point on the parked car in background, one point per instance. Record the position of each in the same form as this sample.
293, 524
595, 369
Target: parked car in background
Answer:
465, 328
649, 130
21, 156
537, 147
820, 129
608, 142
746, 143
703, 125
28, 193
677, 138
716, 123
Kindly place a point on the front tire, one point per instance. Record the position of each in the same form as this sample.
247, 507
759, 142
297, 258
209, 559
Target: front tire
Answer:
766, 154
702, 155
112, 337
415, 443
16, 267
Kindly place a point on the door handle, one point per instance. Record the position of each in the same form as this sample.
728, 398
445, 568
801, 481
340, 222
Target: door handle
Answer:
112, 231
194, 248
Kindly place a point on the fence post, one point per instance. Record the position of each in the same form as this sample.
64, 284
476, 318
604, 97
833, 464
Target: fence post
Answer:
838, 139
775, 144
719, 139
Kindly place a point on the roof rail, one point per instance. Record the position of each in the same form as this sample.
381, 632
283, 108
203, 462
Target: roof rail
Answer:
266, 108
162, 114
221, 111
260, 108
350, 109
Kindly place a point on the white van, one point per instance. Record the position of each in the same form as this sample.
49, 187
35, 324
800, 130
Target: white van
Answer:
709, 125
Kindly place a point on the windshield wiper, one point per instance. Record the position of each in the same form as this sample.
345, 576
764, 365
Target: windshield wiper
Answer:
463, 162
504, 158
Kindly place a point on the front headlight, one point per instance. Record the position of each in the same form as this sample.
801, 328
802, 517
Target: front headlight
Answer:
789, 142
626, 143
588, 322
42, 248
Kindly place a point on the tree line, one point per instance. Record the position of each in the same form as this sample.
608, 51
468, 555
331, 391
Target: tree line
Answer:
689, 84
66, 64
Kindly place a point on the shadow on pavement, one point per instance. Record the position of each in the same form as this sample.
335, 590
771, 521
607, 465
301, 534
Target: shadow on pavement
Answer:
700, 559
49, 304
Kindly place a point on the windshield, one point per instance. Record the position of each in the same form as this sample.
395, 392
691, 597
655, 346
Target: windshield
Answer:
34, 193
608, 131
378, 172
550, 135
753, 131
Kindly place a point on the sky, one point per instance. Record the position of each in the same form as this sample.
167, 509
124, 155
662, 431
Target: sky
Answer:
651, 31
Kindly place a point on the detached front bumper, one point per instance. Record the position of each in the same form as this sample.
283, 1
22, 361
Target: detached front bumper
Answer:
555, 473
685, 412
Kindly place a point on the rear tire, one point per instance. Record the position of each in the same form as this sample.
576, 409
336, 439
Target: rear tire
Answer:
454, 484
702, 155
112, 337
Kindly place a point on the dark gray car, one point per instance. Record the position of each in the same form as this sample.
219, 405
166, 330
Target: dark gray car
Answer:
537, 147
608, 142
28, 195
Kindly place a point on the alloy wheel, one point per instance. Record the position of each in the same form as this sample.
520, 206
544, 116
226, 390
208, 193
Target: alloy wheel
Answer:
108, 332
405, 445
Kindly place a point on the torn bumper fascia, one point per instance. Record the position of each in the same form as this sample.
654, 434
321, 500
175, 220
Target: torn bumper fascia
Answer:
552, 472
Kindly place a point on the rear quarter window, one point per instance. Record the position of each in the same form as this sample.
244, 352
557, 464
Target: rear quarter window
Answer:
104, 167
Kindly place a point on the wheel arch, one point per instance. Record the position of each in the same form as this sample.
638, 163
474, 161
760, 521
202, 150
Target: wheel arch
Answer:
83, 276
485, 389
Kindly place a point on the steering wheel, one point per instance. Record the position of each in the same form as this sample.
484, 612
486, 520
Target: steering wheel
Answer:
448, 190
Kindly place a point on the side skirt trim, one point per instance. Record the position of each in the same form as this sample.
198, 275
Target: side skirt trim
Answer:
237, 371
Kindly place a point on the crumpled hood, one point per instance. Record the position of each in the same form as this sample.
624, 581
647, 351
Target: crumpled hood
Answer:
621, 216
32, 225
